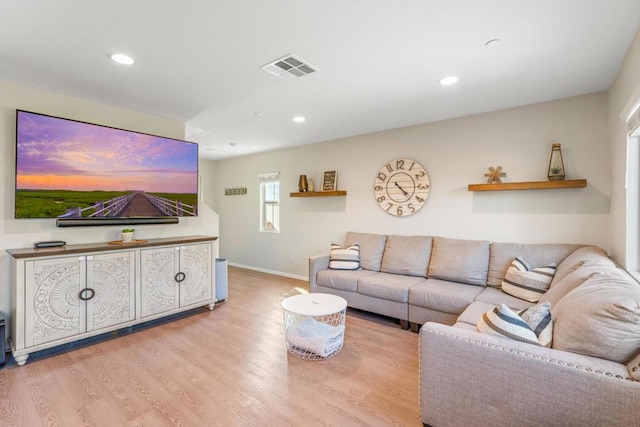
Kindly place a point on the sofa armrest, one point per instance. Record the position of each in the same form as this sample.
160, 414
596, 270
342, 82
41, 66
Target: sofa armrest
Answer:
316, 263
470, 378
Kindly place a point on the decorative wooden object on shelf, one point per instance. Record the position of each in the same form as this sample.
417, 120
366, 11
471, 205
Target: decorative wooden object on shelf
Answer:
127, 242
495, 175
319, 194
533, 185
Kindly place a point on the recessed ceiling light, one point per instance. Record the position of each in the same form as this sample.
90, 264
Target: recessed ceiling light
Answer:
492, 42
299, 119
445, 81
121, 58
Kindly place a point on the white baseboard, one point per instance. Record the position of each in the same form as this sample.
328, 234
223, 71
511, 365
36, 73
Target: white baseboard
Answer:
264, 270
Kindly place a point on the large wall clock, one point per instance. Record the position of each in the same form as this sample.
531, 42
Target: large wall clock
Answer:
401, 187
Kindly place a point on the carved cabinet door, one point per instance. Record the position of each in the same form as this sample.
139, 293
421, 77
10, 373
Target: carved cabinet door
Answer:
195, 263
53, 287
158, 269
175, 277
73, 295
111, 278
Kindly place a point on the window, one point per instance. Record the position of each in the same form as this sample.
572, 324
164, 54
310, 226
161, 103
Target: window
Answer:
270, 202
633, 193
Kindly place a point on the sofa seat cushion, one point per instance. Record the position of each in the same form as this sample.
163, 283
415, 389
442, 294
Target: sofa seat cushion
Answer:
408, 255
502, 254
371, 248
472, 314
344, 280
390, 287
600, 318
441, 295
496, 297
457, 260
576, 260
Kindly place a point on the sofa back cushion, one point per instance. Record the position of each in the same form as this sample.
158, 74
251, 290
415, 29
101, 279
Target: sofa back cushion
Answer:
457, 260
576, 259
600, 318
371, 248
407, 255
576, 278
502, 254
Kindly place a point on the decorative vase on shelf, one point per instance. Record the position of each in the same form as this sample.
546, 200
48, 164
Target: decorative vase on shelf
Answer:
310, 185
127, 235
556, 165
303, 186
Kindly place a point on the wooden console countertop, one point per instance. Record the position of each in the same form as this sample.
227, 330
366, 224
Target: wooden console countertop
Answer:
104, 246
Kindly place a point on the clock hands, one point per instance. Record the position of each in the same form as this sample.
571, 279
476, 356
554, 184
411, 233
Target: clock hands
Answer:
401, 189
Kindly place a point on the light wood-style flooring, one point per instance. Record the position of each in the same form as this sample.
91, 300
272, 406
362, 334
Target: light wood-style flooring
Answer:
227, 367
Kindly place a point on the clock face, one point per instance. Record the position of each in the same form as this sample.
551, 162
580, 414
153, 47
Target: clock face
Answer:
401, 187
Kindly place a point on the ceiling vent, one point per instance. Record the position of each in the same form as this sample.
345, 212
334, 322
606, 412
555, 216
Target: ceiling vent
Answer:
289, 67
192, 133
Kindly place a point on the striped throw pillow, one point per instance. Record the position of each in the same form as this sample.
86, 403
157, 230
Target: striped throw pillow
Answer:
503, 322
539, 320
344, 258
526, 283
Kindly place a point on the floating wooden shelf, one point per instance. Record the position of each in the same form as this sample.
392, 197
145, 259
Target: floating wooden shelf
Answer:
319, 194
533, 185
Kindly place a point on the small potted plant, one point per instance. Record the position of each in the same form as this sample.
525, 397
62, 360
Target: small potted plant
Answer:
127, 235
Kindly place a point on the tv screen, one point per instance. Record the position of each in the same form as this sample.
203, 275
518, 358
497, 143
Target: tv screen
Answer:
68, 169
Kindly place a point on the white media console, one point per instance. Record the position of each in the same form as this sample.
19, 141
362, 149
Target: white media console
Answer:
63, 294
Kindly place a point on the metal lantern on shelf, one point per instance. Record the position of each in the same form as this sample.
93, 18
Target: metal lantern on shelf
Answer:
556, 165
303, 186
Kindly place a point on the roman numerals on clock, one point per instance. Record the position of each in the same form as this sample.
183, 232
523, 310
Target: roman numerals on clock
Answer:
401, 187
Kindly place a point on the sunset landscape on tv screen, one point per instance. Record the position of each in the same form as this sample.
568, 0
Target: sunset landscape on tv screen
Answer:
71, 169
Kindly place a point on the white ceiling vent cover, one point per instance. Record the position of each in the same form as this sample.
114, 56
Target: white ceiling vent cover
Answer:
289, 67
192, 133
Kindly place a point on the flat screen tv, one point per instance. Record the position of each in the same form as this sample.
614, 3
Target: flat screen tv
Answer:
86, 174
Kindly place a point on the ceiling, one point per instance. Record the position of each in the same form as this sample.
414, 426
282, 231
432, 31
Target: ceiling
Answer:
379, 61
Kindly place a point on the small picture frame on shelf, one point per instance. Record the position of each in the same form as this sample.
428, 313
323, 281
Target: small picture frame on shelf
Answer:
330, 181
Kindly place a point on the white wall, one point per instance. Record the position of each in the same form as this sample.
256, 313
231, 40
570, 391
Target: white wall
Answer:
455, 153
624, 93
22, 233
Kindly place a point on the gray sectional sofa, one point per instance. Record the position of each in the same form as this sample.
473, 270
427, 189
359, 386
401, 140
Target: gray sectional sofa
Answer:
590, 374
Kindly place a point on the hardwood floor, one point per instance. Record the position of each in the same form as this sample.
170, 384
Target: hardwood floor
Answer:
227, 367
